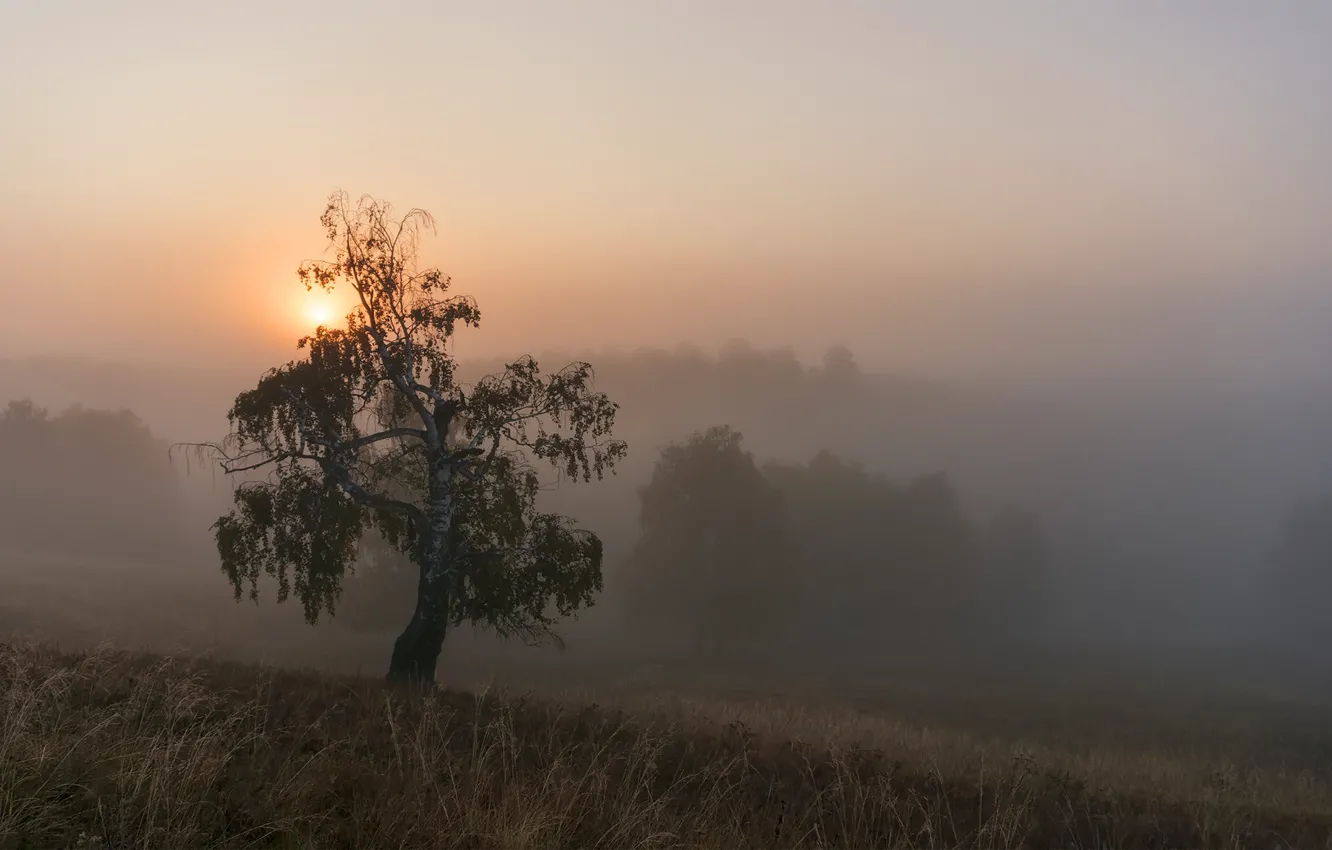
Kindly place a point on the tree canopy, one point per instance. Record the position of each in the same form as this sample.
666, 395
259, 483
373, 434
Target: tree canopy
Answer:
714, 559
370, 431
86, 482
891, 557
821, 557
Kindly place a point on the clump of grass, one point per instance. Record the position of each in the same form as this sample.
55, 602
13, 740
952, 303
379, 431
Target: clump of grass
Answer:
114, 749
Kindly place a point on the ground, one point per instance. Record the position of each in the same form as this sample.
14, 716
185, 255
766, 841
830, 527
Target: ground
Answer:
112, 747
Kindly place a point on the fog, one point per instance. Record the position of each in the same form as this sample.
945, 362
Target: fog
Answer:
1161, 514
1076, 255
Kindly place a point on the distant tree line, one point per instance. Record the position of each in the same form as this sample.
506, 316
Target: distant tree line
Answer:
86, 483
735, 560
738, 558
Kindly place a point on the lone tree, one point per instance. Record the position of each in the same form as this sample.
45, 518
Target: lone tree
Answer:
370, 432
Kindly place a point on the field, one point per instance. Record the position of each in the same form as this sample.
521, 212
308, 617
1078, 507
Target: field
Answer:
123, 748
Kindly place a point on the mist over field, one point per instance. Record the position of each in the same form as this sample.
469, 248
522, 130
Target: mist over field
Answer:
1165, 519
716, 424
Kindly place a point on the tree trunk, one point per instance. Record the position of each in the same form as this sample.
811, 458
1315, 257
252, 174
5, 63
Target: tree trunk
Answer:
416, 651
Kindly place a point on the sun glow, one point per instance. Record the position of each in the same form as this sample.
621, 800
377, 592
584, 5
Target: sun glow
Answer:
319, 314
322, 308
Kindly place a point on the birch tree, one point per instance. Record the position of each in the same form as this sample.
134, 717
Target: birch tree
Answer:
369, 431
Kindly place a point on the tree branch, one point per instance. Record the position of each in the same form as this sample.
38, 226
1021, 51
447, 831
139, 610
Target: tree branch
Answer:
229, 461
342, 477
371, 439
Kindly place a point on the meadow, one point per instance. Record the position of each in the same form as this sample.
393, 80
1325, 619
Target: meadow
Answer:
143, 711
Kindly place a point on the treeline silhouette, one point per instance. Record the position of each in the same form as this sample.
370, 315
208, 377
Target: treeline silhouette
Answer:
817, 558
87, 483
890, 502
722, 547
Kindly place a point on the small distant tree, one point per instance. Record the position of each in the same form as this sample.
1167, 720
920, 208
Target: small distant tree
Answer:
713, 559
839, 366
369, 430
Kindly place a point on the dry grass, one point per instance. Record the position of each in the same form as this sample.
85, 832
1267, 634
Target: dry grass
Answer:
114, 749
106, 748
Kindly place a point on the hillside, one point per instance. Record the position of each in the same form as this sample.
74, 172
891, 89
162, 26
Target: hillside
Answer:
110, 749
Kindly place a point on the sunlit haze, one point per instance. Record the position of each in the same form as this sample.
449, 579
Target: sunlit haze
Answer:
947, 187
889, 423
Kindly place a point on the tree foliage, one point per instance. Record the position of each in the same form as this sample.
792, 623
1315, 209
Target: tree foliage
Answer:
827, 552
371, 431
86, 482
891, 558
714, 559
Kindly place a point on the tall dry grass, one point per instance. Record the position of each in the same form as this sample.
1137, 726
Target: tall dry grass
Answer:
114, 749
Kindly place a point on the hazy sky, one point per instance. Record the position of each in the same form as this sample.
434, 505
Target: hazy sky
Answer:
950, 187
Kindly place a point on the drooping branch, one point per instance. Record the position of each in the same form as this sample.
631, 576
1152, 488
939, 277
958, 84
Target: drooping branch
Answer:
230, 464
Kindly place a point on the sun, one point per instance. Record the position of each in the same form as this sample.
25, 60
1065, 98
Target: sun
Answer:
321, 309
315, 308
320, 314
